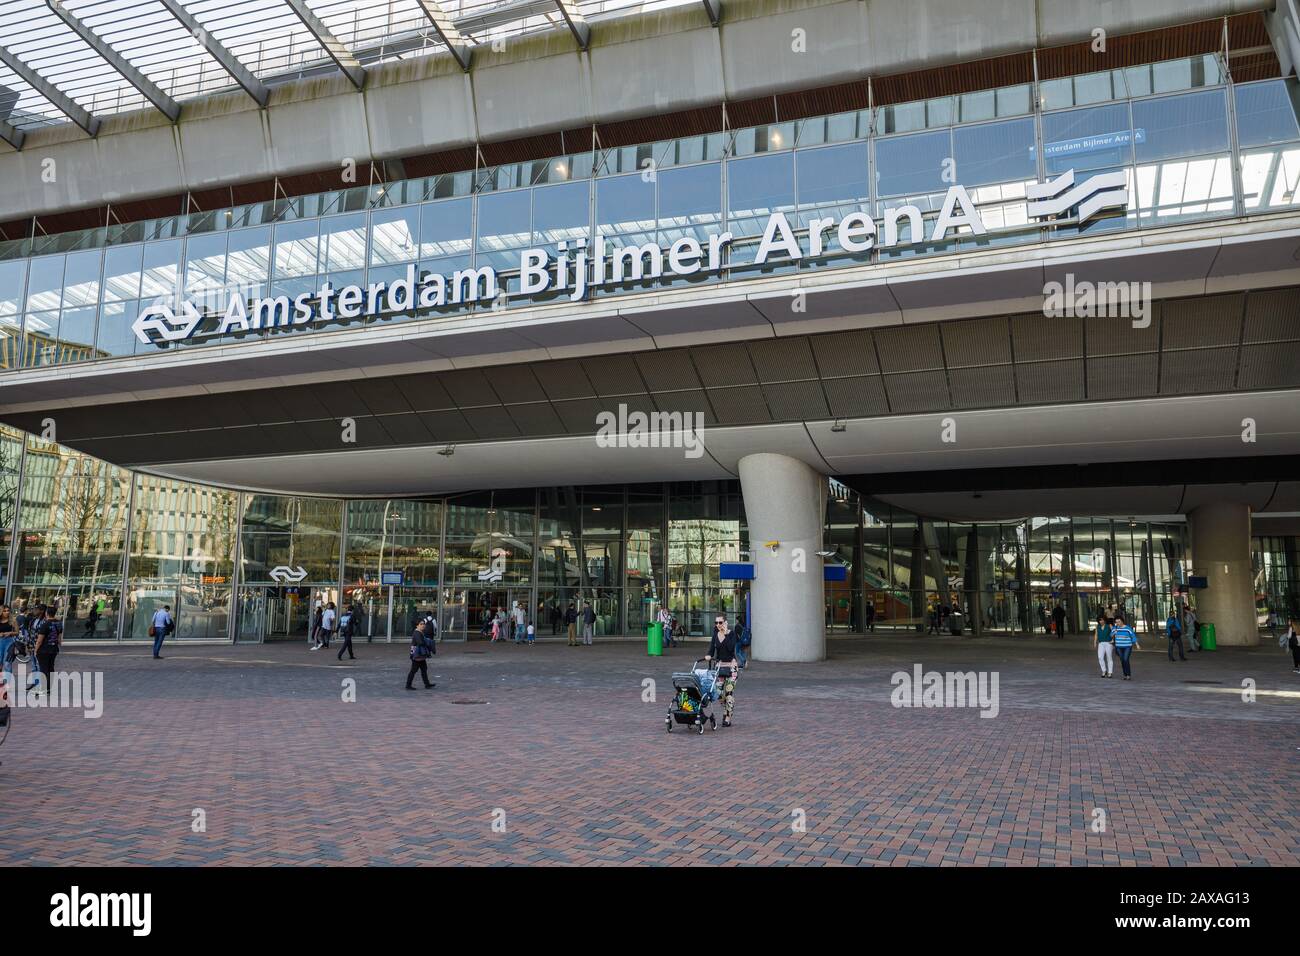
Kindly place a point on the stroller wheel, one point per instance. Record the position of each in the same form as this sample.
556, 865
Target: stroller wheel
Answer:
699, 727
669, 724
712, 722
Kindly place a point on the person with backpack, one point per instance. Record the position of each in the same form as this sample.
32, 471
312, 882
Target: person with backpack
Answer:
422, 648
49, 638
1058, 621
1174, 631
1125, 643
742, 642
1103, 639
161, 625
571, 624
347, 623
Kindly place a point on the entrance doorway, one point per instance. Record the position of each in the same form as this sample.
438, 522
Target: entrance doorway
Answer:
485, 603
273, 613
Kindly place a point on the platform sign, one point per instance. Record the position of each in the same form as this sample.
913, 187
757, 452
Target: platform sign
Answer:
835, 572
392, 578
735, 571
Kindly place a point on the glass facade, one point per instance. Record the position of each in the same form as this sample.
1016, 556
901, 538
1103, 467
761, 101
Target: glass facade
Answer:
1192, 144
110, 548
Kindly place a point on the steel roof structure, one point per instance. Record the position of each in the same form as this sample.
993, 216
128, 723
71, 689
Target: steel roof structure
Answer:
80, 60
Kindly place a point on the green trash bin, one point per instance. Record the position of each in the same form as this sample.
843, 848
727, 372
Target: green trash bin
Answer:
655, 639
1207, 637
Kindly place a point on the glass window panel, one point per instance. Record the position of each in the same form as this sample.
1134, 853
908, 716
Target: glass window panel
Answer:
1087, 138
1266, 112
77, 334
205, 264
994, 152
81, 279
504, 220
1271, 177
13, 279
910, 165
561, 213
122, 272
343, 242
45, 284
162, 263
756, 188
836, 174
690, 200
1184, 189
114, 335
296, 247
394, 234
625, 204
446, 228
1174, 126
248, 257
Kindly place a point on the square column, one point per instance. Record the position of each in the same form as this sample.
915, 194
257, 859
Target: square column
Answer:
1221, 553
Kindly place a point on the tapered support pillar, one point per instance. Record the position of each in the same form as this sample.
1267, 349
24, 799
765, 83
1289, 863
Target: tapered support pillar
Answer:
1221, 554
785, 502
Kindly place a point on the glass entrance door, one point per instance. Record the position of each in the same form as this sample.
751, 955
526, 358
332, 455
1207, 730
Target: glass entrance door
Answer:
273, 614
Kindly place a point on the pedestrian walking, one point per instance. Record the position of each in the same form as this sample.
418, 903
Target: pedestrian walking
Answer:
422, 648
347, 624
161, 625
571, 624
328, 616
1292, 635
532, 634
869, 616
1272, 622
722, 648
8, 634
1174, 632
665, 620
588, 624
742, 641
1125, 643
49, 639
1058, 621
1103, 639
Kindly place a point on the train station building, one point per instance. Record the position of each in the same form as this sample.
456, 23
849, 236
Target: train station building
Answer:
828, 310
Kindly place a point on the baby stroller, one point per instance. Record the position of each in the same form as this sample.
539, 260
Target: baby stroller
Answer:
693, 691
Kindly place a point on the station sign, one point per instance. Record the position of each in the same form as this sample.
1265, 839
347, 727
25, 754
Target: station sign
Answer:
575, 269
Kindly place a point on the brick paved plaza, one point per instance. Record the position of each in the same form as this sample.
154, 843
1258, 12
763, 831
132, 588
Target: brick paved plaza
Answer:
559, 738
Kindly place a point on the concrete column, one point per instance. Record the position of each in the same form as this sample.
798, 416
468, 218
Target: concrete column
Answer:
785, 501
1221, 553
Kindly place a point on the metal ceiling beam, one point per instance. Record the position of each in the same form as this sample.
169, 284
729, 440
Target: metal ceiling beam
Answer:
61, 102
165, 104
447, 32
577, 25
251, 84
714, 9
339, 53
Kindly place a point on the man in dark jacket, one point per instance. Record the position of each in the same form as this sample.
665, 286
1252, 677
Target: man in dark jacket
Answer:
588, 624
347, 627
422, 648
571, 624
1058, 618
49, 638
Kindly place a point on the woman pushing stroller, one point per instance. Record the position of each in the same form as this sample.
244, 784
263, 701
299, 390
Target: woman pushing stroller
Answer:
722, 648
